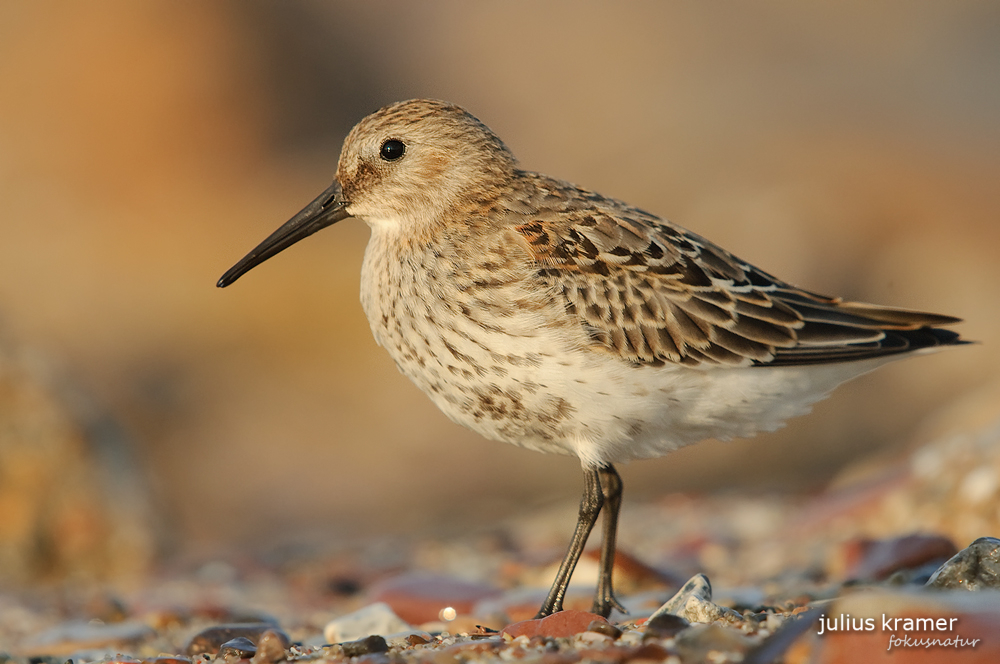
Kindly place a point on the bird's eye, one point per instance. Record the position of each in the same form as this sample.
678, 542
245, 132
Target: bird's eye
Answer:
392, 150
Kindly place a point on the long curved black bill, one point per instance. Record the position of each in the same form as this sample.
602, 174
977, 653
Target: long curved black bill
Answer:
327, 209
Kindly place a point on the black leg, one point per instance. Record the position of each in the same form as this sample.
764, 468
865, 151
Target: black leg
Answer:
611, 489
590, 508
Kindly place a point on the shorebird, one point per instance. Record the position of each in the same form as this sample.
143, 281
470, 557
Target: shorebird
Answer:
539, 313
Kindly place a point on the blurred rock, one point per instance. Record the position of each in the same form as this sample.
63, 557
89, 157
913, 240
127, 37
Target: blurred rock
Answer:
73, 504
875, 560
605, 628
704, 643
940, 487
632, 574
271, 647
469, 651
421, 598
664, 625
948, 483
73, 636
649, 652
975, 567
366, 646
377, 618
215, 612
779, 645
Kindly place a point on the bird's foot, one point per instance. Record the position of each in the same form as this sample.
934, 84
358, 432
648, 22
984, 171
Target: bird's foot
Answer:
604, 602
547, 610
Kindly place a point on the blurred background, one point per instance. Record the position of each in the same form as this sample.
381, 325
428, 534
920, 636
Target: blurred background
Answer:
850, 148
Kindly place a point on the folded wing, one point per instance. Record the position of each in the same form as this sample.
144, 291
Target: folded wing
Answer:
655, 293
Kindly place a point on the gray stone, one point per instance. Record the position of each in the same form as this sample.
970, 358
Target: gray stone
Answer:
693, 603
975, 567
237, 648
697, 587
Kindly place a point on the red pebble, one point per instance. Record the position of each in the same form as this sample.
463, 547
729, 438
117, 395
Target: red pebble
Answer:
564, 623
419, 598
870, 560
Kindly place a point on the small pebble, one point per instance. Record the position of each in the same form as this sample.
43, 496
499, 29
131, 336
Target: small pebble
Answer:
605, 628
408, 638
665, 625
236, 649
366, 646
774, 621
270, 648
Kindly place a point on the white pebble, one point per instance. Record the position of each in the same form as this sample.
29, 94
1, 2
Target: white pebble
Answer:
376, 618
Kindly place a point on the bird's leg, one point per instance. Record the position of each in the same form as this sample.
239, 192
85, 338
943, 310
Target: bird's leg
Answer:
590, 508
611, 490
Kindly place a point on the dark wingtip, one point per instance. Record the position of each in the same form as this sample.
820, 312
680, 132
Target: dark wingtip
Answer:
895, 342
